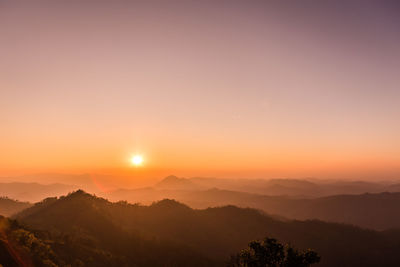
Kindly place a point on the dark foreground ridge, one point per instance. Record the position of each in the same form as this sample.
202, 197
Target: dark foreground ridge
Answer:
84, 230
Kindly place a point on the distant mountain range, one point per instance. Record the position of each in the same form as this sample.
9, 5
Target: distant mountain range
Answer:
9, 207
278, 187
34, 192
206, 237
376, 211
54, 184
22, 187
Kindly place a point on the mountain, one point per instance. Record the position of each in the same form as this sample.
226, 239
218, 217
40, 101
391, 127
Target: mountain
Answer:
33, 192
90, 182
213, 233
81, 229
176, 183
9, 207
375, 211
300, 188
260, 186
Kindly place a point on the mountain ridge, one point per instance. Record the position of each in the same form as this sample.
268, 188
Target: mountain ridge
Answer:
213, 232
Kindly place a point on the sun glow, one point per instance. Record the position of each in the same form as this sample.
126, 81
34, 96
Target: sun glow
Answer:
137, 160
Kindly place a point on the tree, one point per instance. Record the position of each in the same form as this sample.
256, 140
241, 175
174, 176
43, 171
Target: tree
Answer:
270, 253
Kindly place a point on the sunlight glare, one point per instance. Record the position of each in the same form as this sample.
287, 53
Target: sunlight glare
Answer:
137, 160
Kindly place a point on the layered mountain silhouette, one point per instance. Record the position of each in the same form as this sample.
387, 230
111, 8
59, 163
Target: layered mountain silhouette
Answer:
187, 237
377, 211
9, 207
34, 192
82, 230
369, 210
176, 183
278, 187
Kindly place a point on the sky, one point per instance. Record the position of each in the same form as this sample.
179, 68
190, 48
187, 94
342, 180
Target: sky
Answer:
250, 89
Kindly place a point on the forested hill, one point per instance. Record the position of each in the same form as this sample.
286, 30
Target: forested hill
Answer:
213, 233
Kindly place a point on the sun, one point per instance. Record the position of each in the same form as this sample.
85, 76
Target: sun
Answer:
137, 160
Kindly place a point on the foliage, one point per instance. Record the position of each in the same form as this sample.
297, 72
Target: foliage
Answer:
41, 253
270, 253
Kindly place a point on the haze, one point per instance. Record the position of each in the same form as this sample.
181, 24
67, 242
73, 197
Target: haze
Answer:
212, 133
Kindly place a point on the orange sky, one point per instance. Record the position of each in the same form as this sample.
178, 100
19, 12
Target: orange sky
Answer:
239, 90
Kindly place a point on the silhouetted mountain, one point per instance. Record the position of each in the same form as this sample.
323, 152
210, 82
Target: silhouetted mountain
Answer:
293, 187
83, 227
375, 211
213, 232
176, 183
261, 186
279, 187
90, 182
393, 188
9, 207
33, 192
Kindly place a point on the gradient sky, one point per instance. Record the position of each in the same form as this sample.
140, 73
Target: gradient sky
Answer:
217, 88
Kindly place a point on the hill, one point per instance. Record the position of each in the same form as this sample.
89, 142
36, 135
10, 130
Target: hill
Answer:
295, 187
375, 211
176, 183
214, 233
9, 207
33, 192
81, 229
303, 188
